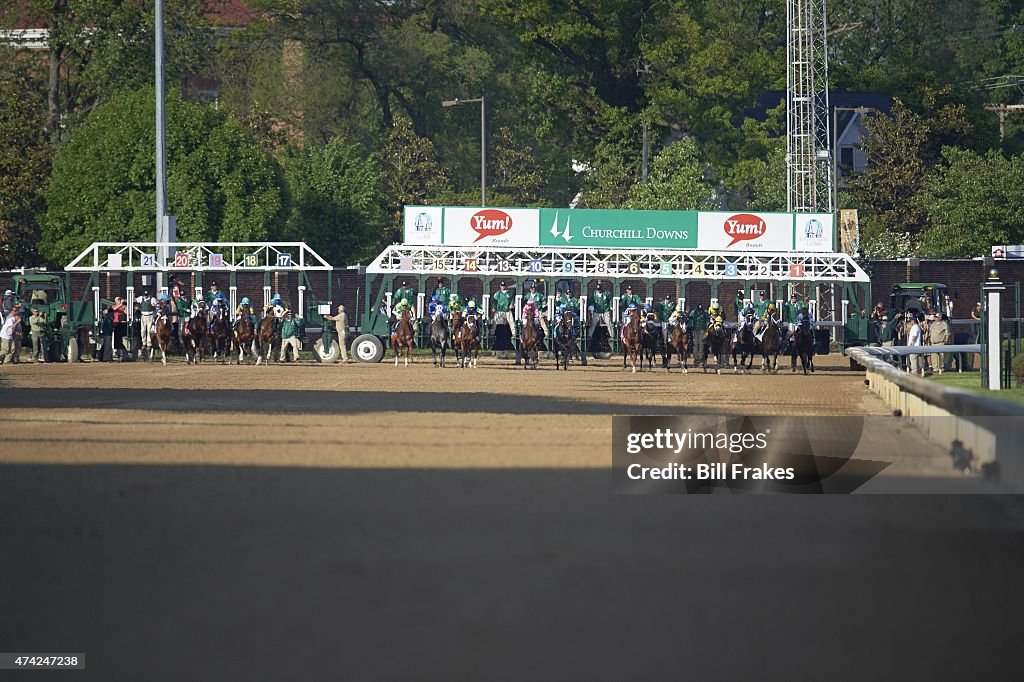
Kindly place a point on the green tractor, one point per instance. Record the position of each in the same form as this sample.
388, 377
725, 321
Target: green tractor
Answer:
69, 321
914, 298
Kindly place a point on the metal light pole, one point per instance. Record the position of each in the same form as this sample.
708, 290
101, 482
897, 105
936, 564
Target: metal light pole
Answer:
483, 139
163, 225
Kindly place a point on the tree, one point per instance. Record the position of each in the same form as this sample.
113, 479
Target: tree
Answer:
336, 201
675, 182
973, 202
220, 184
410, 172
24, 166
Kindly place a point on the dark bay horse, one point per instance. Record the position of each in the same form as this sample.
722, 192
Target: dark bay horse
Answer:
632, 344
678, 344
771, 343
564, 345
457, 325
220, 336
529, 343
802, 344
744, 344
401, 339
439, 337
267, 336
162, 336
195, 339
717, 342
651, 341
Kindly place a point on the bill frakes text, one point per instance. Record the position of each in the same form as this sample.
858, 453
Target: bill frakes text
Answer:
715, 471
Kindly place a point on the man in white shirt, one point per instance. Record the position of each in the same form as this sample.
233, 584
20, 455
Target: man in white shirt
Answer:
8, 346
914, 340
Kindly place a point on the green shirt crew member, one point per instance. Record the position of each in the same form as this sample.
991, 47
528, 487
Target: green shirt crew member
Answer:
761, 306
628, 298
442, 292
573, 302
560, 300
601, 300
211, 295
665, 309
289, 337
738, 305
540, 301
408, 293
502, 300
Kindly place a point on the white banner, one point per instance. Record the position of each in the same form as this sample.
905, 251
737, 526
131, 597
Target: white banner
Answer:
423, 225
518, 227
720, 231
814, 232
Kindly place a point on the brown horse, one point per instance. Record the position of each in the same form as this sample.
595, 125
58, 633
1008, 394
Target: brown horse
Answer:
220, 336
162, 336
677, 345
195, 339
401, 339
266, 336
457, 326
245, 338
529, 343
469, 341
632, 343
771, 342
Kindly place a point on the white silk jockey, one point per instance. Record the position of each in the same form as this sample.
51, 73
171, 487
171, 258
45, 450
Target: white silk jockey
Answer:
198, 307
279, 311
677, 319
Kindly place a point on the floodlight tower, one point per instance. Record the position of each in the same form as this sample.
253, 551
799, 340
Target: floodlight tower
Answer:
809, 150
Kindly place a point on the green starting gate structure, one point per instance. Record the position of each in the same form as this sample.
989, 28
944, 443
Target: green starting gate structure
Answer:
220, 260
840, 289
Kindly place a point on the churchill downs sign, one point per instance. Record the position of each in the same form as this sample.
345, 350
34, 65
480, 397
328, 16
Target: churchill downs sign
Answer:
595, 228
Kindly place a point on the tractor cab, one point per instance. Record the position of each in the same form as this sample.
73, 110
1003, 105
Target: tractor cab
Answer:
915, 297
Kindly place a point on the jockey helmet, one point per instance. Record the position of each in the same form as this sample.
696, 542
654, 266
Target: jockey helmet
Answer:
715, 306
165, 297
277, 298
632, 306
771, 307
220, 296
245, 300
435, 298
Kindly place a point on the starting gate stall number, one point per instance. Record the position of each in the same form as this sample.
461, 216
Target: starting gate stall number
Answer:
537, 265
665, 269
148, 260
471, 265
216, 260
406, 264
284, 260
182, 259
796, 270
568, 267
504, 265
251, 260
633, 268
731, 270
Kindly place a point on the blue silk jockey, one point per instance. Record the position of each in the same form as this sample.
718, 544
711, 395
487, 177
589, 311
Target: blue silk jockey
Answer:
629, 312
567, 307
218, 305
435, 306
244, 312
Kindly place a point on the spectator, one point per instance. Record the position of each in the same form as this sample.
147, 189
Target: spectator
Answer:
289, 337
8, 349
949, 310
37, 328
976, 323
914, 340
8, 303
341, 326
926, 340
939, 335
120, 317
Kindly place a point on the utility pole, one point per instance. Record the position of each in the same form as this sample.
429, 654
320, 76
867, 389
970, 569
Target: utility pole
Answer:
1002, 110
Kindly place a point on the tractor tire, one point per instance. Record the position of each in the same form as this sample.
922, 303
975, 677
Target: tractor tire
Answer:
331, 354
73, 350
367, 348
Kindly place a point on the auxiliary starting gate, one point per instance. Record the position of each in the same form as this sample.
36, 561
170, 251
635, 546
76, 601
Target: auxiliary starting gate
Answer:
249, 269
835, 287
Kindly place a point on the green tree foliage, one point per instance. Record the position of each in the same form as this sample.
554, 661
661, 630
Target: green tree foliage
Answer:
220, 184
675, 181
24, 167
410, 172
973, 201
336, 201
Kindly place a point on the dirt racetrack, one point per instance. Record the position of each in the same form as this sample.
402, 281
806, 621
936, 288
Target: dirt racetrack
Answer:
360, 415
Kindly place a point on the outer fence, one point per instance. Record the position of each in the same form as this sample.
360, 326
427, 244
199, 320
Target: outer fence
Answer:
988, 429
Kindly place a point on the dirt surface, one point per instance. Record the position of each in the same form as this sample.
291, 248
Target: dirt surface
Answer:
359, 415
365, 522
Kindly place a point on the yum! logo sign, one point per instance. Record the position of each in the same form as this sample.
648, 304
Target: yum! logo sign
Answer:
490, 222
743, 227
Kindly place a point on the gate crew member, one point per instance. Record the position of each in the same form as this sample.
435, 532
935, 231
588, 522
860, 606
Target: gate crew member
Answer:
502, 301
406, 292
761, 306
600, 304
540, 302
147, 306
698, 324
665, 310
628, 299
212, 294
442, 292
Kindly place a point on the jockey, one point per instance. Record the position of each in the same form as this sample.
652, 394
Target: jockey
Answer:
396, 313
471, 308
530, 312
714, 311
198, 308
748, 312
567, 308
629, 312
435, 306
771, 315
676, 318
455, 302
716, 321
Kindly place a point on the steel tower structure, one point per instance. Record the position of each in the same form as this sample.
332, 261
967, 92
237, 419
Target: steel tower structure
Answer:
809, 144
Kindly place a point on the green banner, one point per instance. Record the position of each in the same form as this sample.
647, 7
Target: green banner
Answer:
620, 229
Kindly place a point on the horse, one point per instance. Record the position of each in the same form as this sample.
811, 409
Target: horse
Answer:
802, 344
469, 341
266, 336
162, 336
744, 344
220, 336
771, 342
651, 342
456, 335
563, 343
245, 338
716, 341
439, 336
678, 344
529, 342
195, 339
401, 338
632, 344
